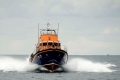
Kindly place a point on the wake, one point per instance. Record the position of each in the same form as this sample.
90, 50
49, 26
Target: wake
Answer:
82, 65
76, 64
14, 64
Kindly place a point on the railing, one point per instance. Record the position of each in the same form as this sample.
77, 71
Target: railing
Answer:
34, 51
63, 47
48, 31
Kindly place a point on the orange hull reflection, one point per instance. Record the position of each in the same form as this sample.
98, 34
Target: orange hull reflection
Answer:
51, 67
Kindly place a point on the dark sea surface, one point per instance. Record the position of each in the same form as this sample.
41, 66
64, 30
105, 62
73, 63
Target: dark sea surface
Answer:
86, 67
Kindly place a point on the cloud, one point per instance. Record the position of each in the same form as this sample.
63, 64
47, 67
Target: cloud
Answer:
111, 30
83, 8
16, 45
90, 19
18, 9
84, 46
88, 8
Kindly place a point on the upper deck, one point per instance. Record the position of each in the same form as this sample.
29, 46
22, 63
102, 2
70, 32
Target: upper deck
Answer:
47, 35
48, 39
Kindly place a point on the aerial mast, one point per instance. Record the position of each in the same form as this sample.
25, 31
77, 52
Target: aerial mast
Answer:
38, 31
58, 29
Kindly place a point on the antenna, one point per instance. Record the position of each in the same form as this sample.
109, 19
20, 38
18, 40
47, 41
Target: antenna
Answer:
58, 28
38, 31
35, 48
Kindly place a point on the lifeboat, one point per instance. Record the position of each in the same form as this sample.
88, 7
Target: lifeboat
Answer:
49, 53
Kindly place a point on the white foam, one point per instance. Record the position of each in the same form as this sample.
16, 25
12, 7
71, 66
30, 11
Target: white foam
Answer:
77, 64
15, 64
83, 65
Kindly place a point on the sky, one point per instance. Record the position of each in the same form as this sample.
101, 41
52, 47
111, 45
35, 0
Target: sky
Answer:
86, 27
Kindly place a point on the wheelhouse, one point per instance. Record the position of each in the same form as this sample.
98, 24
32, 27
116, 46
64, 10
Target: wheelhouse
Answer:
48, 39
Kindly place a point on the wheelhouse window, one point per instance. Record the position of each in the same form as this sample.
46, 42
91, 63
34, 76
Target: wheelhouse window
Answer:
56, 44
44, 44
50, 43
40, 44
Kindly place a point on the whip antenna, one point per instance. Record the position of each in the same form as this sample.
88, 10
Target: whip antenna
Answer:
58, 29
38, 31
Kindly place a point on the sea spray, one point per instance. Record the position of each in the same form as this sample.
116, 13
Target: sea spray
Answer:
82, 65
76, 64
15, 64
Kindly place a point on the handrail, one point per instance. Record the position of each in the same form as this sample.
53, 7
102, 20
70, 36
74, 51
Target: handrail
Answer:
63, 47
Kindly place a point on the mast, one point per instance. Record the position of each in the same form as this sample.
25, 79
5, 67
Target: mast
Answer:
38, 31
58, 29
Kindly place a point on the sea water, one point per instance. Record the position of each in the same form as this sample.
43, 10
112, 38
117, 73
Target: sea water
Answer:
85, 67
